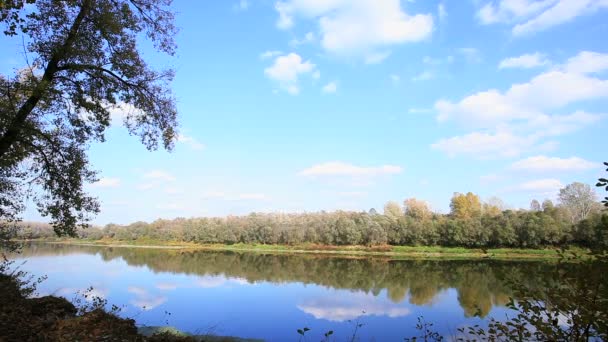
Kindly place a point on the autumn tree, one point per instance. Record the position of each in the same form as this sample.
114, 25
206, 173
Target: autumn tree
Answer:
84, 62
417, 209
392, 209
494, 206
579, 199
465, 207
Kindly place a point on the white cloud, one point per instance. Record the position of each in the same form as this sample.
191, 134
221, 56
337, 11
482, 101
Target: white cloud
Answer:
485, 145
308, 38
344, 169
107, 182
159, 175
220, 195
562, 12
270, 54
170, 206
287, 69
536, 15
395, 78
516, 120
526, 61
428, 60
251, 196
357, 27
376, 57
548, 164
353, 194
242, 5
545, 186
489, 178
330, 88
190, 141
510, 10
587, 62
472, 55
525, 102
423, 76
442, 13
121, 112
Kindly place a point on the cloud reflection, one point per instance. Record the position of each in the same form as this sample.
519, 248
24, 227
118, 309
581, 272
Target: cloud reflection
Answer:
144, 299
342, 308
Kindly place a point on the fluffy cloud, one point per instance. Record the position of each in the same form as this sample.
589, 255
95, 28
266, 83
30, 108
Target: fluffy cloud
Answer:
308, 38
587, 62
532, 16
423, 76
190, 141
472, 55
251, 196
270, 54
330, 88
548, 164
344, 169
107, 182
219, 195
287, 69
358, 27
518, 118
526, 61
242, 5
541, 186
159, 175
442, 13
485, 145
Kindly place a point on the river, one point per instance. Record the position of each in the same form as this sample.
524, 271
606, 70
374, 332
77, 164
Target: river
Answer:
270, 296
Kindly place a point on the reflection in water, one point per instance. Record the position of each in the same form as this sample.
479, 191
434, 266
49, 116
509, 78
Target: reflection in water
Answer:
340, 309
269, 296
144, 299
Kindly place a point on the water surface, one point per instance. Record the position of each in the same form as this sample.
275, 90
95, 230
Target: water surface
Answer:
270, 296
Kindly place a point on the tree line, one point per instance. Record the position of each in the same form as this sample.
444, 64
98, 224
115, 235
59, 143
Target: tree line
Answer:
577, 219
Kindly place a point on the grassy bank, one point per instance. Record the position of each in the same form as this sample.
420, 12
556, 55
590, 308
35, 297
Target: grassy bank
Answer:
385, 250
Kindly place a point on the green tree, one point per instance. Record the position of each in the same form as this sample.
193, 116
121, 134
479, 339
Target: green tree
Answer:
85, 64
535, 205
603, 182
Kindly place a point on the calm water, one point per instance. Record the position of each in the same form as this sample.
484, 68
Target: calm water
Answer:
271, 296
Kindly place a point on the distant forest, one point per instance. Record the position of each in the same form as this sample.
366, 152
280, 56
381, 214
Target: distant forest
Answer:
577, 219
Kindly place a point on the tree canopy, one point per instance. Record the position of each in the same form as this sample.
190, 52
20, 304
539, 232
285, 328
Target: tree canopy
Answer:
83, 63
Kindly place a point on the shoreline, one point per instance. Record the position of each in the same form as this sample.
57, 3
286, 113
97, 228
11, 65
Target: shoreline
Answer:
396, 252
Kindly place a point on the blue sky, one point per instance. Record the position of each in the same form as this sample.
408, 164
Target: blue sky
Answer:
306, 105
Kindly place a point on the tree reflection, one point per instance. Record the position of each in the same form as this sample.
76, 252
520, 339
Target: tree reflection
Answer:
480, 284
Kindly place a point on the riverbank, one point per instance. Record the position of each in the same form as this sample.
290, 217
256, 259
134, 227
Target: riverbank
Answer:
384, 250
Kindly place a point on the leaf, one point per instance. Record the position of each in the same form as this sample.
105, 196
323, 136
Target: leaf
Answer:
300, 332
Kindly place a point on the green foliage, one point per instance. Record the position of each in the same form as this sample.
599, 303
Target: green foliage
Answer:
510, 229
82, 63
